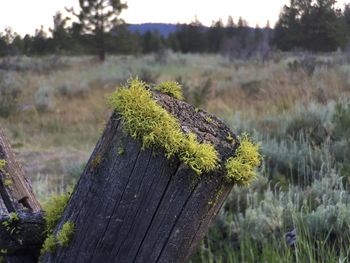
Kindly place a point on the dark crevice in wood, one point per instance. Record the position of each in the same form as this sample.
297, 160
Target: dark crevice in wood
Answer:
216, 207
116, 205
176, 220
138, 207
5, 198
24, 202
84, 192
154, 215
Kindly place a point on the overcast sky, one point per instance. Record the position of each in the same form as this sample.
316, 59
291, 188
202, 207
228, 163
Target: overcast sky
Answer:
24, 16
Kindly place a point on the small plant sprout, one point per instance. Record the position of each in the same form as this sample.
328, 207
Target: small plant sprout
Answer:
171, 88
121, 150
11, 224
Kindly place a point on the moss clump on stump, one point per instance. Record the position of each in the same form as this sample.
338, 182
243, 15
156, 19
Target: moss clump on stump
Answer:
171, 88
53, 211
144, 119
2, 165
65, 234
241, 167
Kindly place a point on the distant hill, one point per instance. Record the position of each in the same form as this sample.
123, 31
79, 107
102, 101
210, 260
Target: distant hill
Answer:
163, 28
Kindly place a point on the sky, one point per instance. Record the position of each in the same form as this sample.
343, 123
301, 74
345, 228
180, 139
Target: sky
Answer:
24, 16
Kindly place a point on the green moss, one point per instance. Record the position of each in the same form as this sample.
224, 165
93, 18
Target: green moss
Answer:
241, 168
49, 245
229, 138
209, 120
144, 119
2, 165
171, 88
96, 162
53, 210
63, 238
11, 224
121, 150
65, 234
8, 182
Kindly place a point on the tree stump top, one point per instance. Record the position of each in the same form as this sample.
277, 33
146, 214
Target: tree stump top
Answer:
207, 127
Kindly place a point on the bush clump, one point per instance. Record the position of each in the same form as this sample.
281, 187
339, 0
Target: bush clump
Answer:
10, 90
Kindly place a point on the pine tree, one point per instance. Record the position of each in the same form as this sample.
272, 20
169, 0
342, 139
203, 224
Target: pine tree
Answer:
98, 17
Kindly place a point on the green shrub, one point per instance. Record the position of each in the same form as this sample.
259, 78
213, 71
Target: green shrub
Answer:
10, 90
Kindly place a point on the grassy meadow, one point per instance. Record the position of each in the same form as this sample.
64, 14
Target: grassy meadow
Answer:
297, 106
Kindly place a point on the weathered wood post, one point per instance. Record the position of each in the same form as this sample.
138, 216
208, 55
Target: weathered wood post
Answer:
21, 223
136, 205
157, 177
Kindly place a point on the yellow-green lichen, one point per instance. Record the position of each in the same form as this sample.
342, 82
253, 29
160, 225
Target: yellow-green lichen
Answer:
8, 182
229, 138
209, 120
171, 88
49, 245
2, 165
63, 238
121, 150
65, 234
144, 119
241, 168
53, 210
11, 224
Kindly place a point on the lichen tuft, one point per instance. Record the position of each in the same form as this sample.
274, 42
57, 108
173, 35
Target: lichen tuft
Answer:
49, 245
65, 235
171, 88
53, 210
2, 165
241, 167
144, 119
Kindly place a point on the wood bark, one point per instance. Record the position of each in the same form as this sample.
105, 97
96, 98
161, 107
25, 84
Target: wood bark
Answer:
135, 205
20, 239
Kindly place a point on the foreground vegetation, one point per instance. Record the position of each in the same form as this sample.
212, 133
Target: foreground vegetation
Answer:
297, 106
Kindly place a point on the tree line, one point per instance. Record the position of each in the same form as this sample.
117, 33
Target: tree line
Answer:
235, 39
313, 25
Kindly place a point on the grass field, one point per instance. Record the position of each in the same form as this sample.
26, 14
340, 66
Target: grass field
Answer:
53, 109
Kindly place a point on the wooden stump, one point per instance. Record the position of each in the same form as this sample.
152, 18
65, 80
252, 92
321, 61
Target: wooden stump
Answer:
135, 205
21, 223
